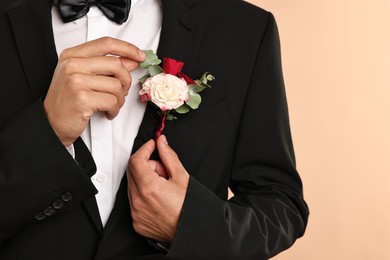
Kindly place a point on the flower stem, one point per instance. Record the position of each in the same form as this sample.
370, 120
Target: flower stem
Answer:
161, 126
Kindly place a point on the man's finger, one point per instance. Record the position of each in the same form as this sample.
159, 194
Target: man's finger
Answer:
105, 46
158, 168
145, 151
104, 102
139, 164
129, 64
98, 84
106, 66
169, 157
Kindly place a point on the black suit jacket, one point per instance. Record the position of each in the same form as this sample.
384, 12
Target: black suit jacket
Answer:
239, 137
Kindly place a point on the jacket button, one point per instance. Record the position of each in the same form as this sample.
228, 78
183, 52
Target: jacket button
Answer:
49, 211
58, 204
67, 196
40, 216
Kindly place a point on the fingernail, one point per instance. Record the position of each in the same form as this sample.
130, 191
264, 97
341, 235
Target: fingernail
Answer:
164, 139
141, 54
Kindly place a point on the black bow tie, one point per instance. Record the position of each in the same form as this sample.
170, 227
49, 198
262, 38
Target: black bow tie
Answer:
115, 10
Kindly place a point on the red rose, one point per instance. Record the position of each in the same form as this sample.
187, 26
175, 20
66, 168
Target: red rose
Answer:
174, 67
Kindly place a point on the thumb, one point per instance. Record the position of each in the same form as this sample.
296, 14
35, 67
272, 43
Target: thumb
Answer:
169, 158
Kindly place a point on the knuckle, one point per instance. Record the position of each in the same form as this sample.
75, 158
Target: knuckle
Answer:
81, 97
115, 105
108, 42
132, 161
65, 54
121, 101
137, 203
69, 65
116, 87
75, 80
112, 102
126, 82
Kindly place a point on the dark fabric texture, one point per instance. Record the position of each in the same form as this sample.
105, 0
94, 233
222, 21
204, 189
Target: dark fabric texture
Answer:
238, 138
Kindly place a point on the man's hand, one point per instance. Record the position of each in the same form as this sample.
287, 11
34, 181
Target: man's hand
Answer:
90, 77
156, 191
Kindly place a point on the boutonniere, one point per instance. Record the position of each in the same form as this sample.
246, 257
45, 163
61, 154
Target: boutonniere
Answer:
169, 89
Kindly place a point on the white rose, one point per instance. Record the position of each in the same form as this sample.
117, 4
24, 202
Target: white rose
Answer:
166, 91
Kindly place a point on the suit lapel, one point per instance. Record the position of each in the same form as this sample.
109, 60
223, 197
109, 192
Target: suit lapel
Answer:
180, 36
32, 29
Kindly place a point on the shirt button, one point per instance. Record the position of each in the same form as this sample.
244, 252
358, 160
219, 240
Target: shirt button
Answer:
100, 178
58, 204
67, 196
49, 211
40, 216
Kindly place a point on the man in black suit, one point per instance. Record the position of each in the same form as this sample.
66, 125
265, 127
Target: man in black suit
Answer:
238, 138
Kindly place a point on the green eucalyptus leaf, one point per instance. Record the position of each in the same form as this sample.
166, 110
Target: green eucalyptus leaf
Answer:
151, 60
210, 77
144, 78
194, 101
183, 109
200, 86
206, 77
154, 70
195, 88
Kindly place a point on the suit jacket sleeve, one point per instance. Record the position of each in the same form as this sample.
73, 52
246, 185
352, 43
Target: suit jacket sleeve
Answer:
36, 171
267, 213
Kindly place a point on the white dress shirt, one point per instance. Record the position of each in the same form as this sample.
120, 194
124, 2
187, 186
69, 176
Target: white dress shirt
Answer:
111, 142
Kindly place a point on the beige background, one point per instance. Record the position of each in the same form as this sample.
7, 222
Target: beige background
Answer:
336, 59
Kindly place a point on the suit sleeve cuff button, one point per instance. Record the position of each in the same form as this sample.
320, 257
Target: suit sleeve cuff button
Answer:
58, 204
49, 211
40, 216
67, 196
